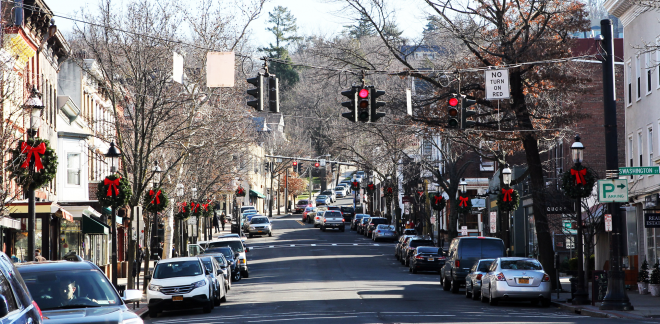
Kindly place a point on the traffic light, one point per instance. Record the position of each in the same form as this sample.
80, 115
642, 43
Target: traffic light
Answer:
452, 111
375, 104
295, 163
364, 104
333, 167
316, 165
273, 94
465, 113
267, 166
351, 105
257, 93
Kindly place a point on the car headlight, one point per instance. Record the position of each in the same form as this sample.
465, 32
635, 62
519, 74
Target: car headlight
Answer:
200, 283
154, 287
251, 227
133, 321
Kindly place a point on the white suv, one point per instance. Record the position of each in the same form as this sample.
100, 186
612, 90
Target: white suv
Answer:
179, 283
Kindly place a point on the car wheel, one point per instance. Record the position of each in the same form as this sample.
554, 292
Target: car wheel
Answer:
224, 298
534, 302
322, 229
468, 292
475, 294
413, 269
545, 302
250, 235
491, 301
270, 234
208, 307
153, 313
237, 276
445, 284
341, 229
246, 274
454, 286
216, 301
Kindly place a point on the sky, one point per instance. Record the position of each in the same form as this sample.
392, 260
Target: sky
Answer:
314, 17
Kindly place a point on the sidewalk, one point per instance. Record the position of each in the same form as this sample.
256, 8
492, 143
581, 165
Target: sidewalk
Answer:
646, 306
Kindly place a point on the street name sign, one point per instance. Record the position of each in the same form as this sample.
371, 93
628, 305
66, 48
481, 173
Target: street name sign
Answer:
613, 190
639, 170
608, 222
497, 84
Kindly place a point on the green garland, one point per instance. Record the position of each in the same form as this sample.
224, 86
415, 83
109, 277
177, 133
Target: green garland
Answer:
37, 179
118, 197
151, 204
240, 192
463, 210
183, 211
508, 205
582, 190
438, 202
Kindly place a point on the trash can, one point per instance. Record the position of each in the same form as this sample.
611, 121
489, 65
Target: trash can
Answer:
574, 282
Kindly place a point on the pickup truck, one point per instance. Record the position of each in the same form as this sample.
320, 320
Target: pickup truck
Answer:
332, 219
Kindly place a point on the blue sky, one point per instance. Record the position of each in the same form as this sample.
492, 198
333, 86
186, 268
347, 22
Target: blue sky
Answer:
314, 16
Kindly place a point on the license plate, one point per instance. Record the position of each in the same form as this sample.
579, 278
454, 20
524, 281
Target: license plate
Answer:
260, 231
523, 280
177, 298
431, 259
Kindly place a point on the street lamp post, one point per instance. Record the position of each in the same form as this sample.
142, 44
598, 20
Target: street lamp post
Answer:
113, 154
154, 227
506, 179
179, 194
194, 199
581, 296
35, 107
462, 187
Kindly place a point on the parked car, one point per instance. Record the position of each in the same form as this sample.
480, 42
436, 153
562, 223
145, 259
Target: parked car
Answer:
349, 184
340, 191
409, 248
245, 208
318, 218
237, 246
401, 243
302, 204
259, 225
332, 219
306, 212
348, 212
384, 232
233, 235
426, 258
362, 226
463, 253
224, 265
356, 220
514, 278
17, 298
473, 278
216, 276
330, 193
347, 188
373, 222
322, 200
179, 283
230, 256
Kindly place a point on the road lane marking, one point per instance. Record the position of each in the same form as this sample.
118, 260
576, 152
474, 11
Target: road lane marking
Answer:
271, 246
334, 244
313, 244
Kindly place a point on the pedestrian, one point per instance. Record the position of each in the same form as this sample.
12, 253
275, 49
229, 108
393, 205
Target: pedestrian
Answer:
139, 259
223, 220
216, 223
38, 257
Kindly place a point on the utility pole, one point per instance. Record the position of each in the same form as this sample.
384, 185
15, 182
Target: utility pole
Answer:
616, 297
286, 190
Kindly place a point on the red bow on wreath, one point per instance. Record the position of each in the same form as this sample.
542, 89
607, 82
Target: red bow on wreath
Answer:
370, 187
464, 201
206, 207
389, 189
182, 207
579, 176
507, 194
36, 150
194, 207
420, 193
156, 197
438, 199
240, 191
111, 184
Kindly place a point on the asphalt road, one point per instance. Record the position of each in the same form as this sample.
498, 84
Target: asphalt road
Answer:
303, 275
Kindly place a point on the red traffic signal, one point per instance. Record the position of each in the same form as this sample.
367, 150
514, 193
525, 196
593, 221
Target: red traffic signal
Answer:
317, 164
364, 93
295, 163
453, 102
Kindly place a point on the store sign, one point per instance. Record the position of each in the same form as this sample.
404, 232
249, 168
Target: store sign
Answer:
652, 220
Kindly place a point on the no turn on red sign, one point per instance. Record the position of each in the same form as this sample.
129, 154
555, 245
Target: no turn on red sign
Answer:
497, 84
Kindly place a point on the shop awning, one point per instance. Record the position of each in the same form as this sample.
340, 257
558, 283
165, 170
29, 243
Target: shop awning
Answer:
64, 214
10, 223
93, 227
254, 193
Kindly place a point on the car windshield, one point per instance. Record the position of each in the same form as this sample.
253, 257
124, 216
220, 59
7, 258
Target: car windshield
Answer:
175, 269
416, 243
409, 232
379, 221
332, 214
309, 209
365, 220
236, 246
302, 202
347, 209
227, 252
360, 216
208, 264
259, 220
385, 227
520, 265
70, 289
433, 250
484, 265
321, 197
339, 188
327, 192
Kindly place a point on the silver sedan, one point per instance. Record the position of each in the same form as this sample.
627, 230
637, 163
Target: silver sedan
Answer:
473, 278
516, 278
384, 232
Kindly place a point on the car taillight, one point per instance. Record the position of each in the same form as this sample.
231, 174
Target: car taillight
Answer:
500, 277
378, 231
479, 277
372, 224
343, 220
38, 309
325, 220
458, 263
546, 278
419, 257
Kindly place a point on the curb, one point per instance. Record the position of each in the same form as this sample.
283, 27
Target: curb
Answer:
592, 313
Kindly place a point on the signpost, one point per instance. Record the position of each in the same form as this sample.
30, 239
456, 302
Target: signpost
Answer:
464, 230
639, 170
322, 162
497, 84
608, 222
493, 222
613, 190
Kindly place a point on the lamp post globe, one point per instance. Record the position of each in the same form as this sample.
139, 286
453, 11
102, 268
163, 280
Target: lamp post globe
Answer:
113, 154
506, 175
577, 150
462, 186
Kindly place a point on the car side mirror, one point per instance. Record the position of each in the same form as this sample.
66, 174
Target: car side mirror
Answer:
207, 272
219, 272
4, 307
132, 295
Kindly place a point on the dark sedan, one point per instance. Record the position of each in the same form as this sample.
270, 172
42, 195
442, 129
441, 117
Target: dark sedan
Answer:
77, 292
409, 248
373, 222
362, 226
357, 220
348, 213
426, 258
230, 256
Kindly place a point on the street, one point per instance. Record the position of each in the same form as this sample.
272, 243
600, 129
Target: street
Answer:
303, 275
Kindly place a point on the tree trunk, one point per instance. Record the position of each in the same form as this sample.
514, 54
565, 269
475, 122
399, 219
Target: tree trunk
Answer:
131, 255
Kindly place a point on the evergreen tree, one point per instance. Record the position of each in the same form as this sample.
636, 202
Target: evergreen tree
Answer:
643, 275
285, 30
655, 274
362, 28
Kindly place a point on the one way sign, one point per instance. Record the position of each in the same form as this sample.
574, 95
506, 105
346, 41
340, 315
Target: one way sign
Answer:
613, 190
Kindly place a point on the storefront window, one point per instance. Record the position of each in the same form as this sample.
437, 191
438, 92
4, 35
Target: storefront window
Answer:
650, 245
70, 238
22, 241
95, 249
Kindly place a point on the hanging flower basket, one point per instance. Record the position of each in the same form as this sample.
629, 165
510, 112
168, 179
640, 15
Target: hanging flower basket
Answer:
463, 204
578, 183
45, 163
438, 202
113, 191
155, 201
508, 199
183, 211
240, 192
